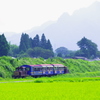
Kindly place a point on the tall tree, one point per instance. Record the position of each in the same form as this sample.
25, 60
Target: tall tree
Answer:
48, 45
43, 41
24, 42
4, 46
30, 42
87, 47
36, 41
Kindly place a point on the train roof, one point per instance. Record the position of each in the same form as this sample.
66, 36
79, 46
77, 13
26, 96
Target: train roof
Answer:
58, 65
44, 65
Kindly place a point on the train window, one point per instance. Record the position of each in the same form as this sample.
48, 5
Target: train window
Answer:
37, 69
27, 69
44, 68
23, 69
20, 69
55, 68
48, 68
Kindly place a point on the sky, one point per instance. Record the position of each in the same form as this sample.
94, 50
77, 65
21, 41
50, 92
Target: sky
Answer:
21, 15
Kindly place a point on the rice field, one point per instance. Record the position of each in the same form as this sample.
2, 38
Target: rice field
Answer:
50, 91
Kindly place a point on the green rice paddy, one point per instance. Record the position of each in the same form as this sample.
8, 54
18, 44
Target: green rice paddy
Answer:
50, 91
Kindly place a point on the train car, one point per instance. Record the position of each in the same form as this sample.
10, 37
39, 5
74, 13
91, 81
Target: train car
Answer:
40, 70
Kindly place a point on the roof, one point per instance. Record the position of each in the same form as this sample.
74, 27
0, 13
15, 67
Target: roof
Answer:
44, 65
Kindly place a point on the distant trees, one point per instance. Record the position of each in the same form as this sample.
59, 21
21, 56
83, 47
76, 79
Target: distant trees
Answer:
35, 47
43, 42
48, 45
24, 43
14, 50
87, 48
4, 46
63, 52
36, 41
40, 52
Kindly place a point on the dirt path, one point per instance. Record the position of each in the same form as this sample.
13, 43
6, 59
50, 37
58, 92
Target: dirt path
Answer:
16, 81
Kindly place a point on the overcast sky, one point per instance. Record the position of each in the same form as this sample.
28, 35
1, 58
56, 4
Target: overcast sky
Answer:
20, 15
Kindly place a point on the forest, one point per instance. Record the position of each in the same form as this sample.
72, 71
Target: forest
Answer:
36, 47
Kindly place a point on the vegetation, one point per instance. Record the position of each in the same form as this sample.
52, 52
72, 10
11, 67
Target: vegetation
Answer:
72, 85
37, 47
88, 49
81, 83
32, 47
64, 52
4, 47
14, 50
50, 91
76, 67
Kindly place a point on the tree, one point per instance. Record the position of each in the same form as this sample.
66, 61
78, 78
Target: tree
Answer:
30, 52
36, 41
24, 42
59, 55
43, 42
35, 47
14, 50
4, 46
62, 51
87, 47
48, 45
40, 52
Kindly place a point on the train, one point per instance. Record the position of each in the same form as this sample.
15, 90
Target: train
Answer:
40, 70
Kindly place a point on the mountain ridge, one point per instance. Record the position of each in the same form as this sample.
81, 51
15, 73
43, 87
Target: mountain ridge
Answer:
69, 29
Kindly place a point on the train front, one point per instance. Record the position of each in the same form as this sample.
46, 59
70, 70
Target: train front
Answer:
21, 71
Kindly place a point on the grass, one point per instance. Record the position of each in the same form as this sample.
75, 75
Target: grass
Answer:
58, 78
50, 91
77, 67
82, 83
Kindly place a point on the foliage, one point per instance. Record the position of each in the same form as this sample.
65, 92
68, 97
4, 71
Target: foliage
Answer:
48, 45
64, 52
14, 50
43, 41
36, 41
76, 67
35, 47
4, 47
40, 52
24, 42
87, 47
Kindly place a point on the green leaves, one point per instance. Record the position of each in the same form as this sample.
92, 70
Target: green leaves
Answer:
87, 47
4, 47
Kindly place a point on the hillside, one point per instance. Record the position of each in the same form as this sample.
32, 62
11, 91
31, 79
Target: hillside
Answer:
76, 67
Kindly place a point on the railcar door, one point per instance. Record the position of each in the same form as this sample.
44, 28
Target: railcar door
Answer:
61, 70
44, 71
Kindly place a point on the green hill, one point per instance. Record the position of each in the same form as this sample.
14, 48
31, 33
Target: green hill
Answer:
76, 67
